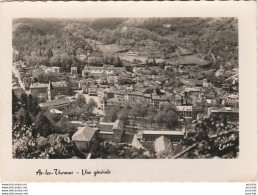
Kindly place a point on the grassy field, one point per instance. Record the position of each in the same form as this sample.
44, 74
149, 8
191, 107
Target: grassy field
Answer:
110, 48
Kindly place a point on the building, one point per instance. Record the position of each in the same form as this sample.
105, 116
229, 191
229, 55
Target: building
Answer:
197, 110
108, 93
184, 111
73, 71
52, 70
100, 71
38, 88
59, 88
60, 104
158, 101
134, 96
52, 89
84, 138
111, 131
231, 103
231, 114
152, 135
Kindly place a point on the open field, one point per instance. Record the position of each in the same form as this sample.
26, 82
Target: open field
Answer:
110, 48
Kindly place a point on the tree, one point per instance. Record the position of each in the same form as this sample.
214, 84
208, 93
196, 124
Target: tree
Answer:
35, 108
30, 103
154, 62
66, 62
160, 118
124, 115
91, 105
24, 100
152, 112
49, 53
135, 112
42, 126
55, 61
15, 103
169, 107
171, 119
111, 114
81, 100
117, 62
23, 117
24, 145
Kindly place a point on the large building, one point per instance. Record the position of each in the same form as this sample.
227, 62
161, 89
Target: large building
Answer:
184, 111
59, 88
51, 89
84, 138
38, 88
152, 135
231, 114
60, 104
111, 131
100, 71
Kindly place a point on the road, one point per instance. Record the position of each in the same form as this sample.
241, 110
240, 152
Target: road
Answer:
17, 75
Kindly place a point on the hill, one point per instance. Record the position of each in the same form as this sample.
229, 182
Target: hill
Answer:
213, 39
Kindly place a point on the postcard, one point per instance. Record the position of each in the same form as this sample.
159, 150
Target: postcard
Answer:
128, 91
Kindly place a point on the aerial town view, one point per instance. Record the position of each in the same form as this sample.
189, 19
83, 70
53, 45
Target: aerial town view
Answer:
125, 88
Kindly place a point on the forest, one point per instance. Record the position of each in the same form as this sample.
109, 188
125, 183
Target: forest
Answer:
60, 42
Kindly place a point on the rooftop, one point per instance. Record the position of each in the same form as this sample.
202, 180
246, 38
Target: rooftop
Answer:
184, 108
163, 144
55, 103
59, 84
227, 109
84, 134
107, 127
151, 132
39, 85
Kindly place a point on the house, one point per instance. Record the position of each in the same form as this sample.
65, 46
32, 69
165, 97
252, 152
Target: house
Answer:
230, 103
184, 111
114, 102
197, 110
158, 101
120, 95
135, 96
111, 131
84, 138
108, 93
